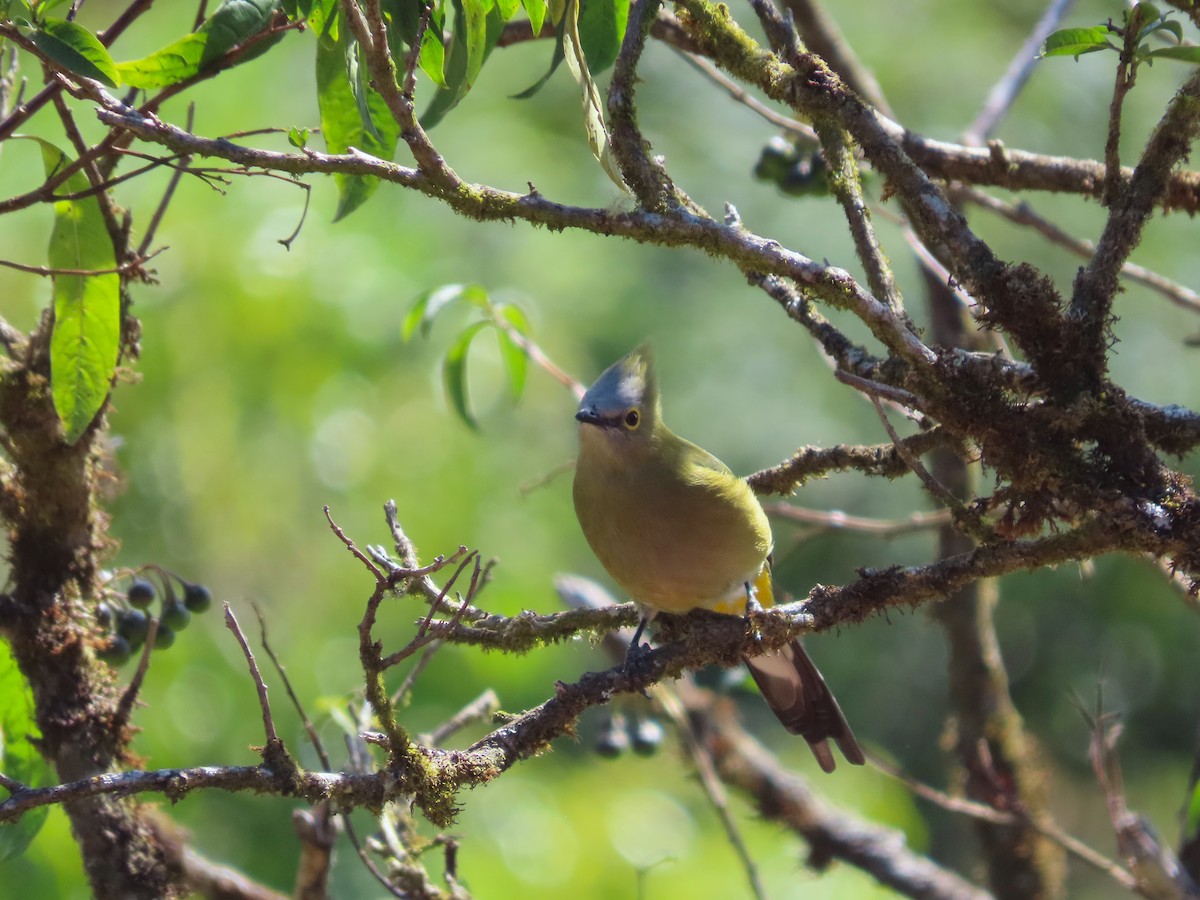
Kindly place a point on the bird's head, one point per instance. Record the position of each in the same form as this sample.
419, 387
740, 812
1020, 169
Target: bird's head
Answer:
623, 403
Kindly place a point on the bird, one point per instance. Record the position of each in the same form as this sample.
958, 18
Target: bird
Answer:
677, 530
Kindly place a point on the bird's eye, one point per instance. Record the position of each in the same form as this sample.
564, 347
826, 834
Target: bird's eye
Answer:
632, 419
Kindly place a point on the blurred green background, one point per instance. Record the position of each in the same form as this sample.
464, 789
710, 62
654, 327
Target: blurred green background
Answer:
273, 382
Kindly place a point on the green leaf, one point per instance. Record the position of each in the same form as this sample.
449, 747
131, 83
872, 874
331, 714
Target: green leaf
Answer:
556, 59
406, 19
433, 53
593, 106
298, 137
87, 308
45, 6
1172, 26
1191, 822
430, 303
512, 354
19, 758
536, 10
18, 9
77, 50
234, 22
323, 18
359, 87
1183, 54
170, 65
1140, 14
454, 372
1077, 41
346, 122
297, 10
1162, 24
507, 8
601, 30
477, 27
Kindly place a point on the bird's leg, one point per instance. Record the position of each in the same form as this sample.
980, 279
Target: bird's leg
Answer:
636, 644
636, 648
753, 607
753, 610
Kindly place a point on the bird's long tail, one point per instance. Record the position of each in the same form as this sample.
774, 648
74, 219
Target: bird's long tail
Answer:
797, 694
799, 697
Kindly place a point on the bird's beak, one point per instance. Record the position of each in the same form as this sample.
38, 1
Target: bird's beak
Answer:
590, 415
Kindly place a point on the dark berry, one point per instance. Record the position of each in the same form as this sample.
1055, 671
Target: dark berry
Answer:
197, 597
117, 652
647, 737
164, 638
175, 615
614, 739
132, 625
141, 593
104, 614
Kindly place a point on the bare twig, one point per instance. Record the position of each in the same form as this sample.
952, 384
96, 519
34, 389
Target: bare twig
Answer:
268, 722
983, 812
668, 701
1005, 91
129, 267
125, 705
840, 521
169, 192
350, 545
482, 707
752, 103
1022, 213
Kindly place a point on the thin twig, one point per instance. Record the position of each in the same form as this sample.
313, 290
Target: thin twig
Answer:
124, 268
125, 705
840, 521
309, 728
268, 723
172, 184
1022, 213
742, 96
411, 676
876, 390
353, 548
539, 358
105, 202
935, 487
985, 813
668, 701
934, 265
1005, 91
482, 707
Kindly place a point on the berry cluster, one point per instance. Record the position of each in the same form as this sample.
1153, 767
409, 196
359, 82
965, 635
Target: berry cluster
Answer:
616, 736
126, 615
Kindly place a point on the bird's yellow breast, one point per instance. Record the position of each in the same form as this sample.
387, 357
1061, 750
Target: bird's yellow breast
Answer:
669, 522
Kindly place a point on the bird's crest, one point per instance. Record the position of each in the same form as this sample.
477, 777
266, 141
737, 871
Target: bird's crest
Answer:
628, 382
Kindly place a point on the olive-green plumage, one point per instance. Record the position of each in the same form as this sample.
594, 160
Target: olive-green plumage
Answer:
677, 530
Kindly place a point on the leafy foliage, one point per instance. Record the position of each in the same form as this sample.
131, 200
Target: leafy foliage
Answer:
87, 308
509, 322
353, 114
1146, 22
75, 49
19, 757
234, 22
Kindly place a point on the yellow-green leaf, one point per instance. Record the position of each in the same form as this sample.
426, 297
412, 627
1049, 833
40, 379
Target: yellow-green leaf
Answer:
76, 49
19, 758
454, 372
87, 308
346, 122
593, 107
